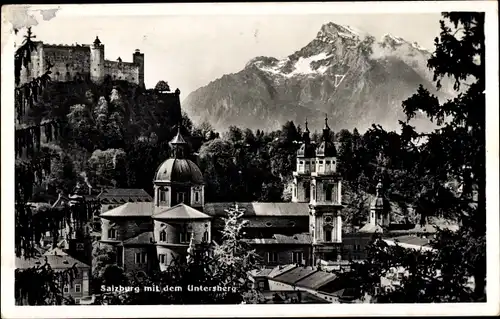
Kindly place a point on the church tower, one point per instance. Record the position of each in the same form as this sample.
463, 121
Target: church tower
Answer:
305, 165
97, 61
326, 201
380, 209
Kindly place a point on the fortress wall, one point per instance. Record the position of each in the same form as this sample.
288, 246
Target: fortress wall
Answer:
122, 71
69, 61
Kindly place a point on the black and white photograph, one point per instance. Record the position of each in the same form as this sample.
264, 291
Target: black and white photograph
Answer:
250, 155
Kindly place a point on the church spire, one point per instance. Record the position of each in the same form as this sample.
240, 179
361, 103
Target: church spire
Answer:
305, 135
326, 129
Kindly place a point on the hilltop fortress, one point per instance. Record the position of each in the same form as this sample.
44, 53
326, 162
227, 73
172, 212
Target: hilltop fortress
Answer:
83, 61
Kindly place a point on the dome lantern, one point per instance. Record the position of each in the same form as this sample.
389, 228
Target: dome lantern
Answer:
178, 145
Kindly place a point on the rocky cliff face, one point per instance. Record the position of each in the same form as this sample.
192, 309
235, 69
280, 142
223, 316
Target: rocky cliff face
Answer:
343, 72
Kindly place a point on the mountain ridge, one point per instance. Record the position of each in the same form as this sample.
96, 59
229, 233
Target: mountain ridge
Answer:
343, 72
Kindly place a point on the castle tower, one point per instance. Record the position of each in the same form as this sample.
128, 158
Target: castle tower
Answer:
325, 204
138, 58
305, 165
97, 61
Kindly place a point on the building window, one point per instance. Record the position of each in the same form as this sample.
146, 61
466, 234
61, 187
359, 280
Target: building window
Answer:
112, 233
163, 259
321, 162
297, 257
66, 289
327, 162
180, 197
307, 162
183, 237
196, 196
329, 192
163, 196
205, 236
301, 162
261, 284
307, 190
140, 258
163, 235
78, 288
272, 257
328, 233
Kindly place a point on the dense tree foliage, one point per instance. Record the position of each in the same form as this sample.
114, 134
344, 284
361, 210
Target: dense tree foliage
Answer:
453, 153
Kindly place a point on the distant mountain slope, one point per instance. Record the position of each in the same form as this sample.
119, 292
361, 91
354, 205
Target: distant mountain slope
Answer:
342, 72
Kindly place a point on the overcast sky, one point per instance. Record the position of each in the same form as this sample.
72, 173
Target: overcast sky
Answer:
189, 51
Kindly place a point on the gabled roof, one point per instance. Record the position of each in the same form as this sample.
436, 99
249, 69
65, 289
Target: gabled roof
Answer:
259, 209
316, 280
181, 211
55, 261
144, 238
295, 275
124, 195
370, 228
412, 242
278, 270
304, 238
137, 209
262, 273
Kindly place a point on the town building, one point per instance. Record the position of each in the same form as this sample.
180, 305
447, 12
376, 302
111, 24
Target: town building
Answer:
80, 62
59, 260
149, 235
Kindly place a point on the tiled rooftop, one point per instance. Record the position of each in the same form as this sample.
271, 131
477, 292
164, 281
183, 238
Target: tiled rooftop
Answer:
259, 209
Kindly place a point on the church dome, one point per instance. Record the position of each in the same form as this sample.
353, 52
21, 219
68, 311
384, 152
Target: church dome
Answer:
179, 170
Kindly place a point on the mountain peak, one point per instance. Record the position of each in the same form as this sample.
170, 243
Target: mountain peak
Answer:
331, 31
393, 41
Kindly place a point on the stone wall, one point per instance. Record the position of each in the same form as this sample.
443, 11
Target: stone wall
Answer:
122, 71
70, 62
125, 228
173, 230
129, 259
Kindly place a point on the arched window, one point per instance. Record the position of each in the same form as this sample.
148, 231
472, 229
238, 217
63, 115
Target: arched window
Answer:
196, 196
205, 236
163, 235
162, 195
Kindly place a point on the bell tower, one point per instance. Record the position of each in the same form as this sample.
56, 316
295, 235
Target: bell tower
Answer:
326, 201
380, 209
305, 165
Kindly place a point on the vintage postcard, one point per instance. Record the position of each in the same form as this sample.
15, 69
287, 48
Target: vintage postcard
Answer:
235, 159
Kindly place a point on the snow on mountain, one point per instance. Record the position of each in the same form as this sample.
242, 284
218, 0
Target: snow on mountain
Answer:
301, 67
